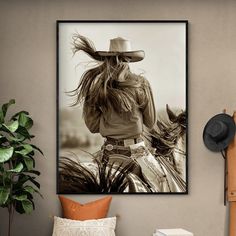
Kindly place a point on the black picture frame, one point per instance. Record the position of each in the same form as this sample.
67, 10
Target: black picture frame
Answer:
98, 23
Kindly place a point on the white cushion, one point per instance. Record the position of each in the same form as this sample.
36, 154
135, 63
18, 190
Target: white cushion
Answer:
100, 227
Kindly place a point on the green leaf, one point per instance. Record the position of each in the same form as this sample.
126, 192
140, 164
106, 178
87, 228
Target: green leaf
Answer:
4, 194
37, 148
22, 179
20, 197
29, 163
3, 139
5, 129
25, 121
6, 106
27, 206
12, 127
29, 189
27, 149
18, 168
1, 117
32, 190
6, 154
24, 132
1, 169
6, 178
19, 208
31, 179
18, 139
18, 113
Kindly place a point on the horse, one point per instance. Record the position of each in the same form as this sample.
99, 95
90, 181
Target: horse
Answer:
168, 138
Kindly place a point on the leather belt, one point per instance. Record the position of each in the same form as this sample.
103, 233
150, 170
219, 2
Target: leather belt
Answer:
123, 142
110, 147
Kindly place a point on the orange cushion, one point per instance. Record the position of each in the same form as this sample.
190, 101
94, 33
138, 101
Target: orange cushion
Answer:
93, 210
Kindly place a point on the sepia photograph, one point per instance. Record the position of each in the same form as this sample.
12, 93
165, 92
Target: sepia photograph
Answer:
122, 107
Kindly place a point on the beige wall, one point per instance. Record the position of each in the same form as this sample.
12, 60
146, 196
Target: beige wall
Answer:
28, 73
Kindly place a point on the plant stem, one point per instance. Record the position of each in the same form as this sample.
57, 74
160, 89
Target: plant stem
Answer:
9, 219
10, 206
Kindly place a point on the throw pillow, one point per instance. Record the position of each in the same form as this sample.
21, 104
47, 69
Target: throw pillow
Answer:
101, 227
93, 210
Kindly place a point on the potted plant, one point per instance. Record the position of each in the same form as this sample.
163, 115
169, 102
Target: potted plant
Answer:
17, 164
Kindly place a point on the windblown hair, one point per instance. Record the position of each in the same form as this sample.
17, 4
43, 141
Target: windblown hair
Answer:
109, 84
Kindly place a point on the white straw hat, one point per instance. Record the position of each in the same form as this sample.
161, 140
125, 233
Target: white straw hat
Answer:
120, 46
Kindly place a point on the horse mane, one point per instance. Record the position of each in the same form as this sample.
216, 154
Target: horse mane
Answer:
170, 127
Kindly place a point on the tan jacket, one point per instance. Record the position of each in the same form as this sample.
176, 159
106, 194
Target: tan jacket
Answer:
118, 126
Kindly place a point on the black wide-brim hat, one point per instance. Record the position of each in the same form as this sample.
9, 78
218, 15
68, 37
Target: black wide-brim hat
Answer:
219, 132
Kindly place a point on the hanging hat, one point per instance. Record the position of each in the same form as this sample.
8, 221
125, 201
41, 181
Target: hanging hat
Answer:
120, 46
219, 132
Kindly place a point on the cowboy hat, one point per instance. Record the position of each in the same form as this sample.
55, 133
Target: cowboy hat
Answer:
219, 132
122, 47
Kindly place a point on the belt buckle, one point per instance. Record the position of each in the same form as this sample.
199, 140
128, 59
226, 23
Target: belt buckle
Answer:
109, 147
128, 142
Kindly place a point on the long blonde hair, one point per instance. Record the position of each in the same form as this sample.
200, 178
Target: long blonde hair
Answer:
110, 84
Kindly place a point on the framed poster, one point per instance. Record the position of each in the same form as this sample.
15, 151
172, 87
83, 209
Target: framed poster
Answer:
122, 107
